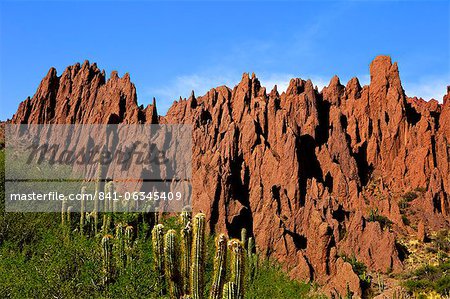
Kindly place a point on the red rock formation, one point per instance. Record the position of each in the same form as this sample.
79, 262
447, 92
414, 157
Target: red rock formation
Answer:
82, 95
301, 170
421, 234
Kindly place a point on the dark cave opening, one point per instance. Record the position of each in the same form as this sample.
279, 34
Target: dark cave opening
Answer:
328, 182
364, 169
300, 242
323, 109
243, 220
309, 164
412, 116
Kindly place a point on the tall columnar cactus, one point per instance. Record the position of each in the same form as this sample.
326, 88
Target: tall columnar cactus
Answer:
252, 259
69, 216
237, 255
244, 236
96, 196
185, 218
158, 251
220, 267
186, 255
171, 254
82, 210
129, 244
106, 255
119, 250
109, 189
90, 221
230, 291
63, 210
156, 215
198, 257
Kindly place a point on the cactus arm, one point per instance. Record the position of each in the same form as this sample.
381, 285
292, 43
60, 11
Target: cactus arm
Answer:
220, 260
96, 196
82, 208
185, 217
237, 265
106, 255
230, 291
198, 257
120, 256
129, 245
158, 252
244, 236
63, 211
186, 252
69, 216
172, 266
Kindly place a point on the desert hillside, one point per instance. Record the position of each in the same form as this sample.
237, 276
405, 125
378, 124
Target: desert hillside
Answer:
315, 176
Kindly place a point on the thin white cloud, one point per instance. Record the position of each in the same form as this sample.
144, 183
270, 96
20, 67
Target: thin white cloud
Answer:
427, 88
201, 83
182, 86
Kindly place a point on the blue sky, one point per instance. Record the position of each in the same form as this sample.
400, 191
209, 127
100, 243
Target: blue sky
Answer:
170, 48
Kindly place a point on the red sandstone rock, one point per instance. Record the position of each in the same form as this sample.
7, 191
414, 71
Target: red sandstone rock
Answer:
301, 170
421, 234
346, 281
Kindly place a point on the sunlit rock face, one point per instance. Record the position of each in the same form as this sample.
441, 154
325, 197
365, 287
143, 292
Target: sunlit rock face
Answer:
301, 170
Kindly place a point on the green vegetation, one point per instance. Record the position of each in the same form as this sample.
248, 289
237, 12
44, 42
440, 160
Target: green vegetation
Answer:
408, 197
360, 269
40, 258
405, 220
375, 216
430, 278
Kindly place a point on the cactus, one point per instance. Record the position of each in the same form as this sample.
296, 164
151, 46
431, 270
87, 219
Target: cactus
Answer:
90, 221
237, 265
220, 260
250, 246
158, 251
252, 259
156, 215
106, 255
185, 218
186, 254
82, 216
244, 236
172, 265
129, 244
69, 216
63, 210
198, 257
230, 291
119, 251
96, 196
109, 189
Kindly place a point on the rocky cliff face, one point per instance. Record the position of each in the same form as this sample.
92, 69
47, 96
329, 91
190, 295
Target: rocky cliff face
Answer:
308, 173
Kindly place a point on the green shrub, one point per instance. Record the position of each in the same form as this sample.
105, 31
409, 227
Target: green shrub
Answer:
374, 216
409, 196
430, 278
443, 285
360, 269
418, 285
405, 220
